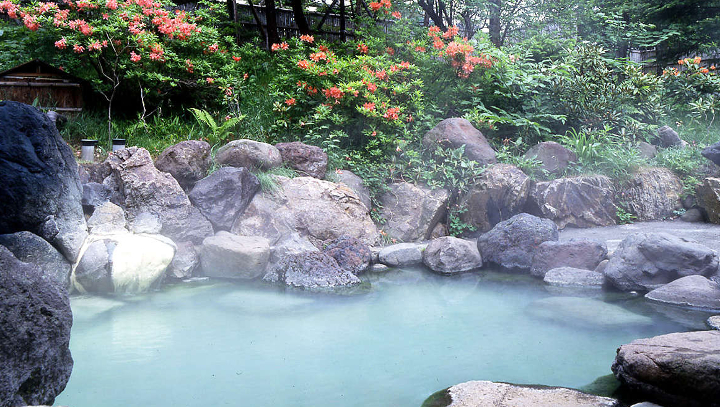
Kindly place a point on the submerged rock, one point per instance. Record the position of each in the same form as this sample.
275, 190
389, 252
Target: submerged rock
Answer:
449, 255
456, 132
586, 313
412, 211
312, 270
513, 243
578, 253
231, 256
692, 291
574, 277
402, 254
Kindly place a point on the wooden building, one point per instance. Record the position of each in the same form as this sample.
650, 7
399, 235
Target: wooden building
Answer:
49, 87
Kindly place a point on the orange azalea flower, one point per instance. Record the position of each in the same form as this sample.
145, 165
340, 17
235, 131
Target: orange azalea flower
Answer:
307, 38
210, 80
681, 62
236, 59
392, 113
363, 48
697, 60
420, 49
704, 70
371, 87
396, 14
318, 56
438, 44
375, 6
323, 48
390, 51
451, 32
712, 67
290, 101
333, 92
303, 64
369, 106
433, 31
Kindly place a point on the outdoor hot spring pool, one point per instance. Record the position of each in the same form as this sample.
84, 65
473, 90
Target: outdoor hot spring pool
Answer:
210, 343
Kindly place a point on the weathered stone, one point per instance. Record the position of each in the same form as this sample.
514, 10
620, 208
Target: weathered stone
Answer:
499, 194
402, 254
35, 322
108, 218
652, 193
708, 195
186, 260
554, 157
290, 244
308, 160
601, 266
455, 133
440, 230
584, 201
249, 154
512, 243
691, 291
692, 215
312, 270
485, 393
678, 369
187, 161
379, 268
30, 248
230, 256
449, 255
356, 184
223, 195
145, 222
41, 191
667, 137
350, 253
712, 153
412, 211
93, 272
714, 322
316, 209
645, 261
578, 253
574, 277
93, 172
586, 313
94, 194
647, 150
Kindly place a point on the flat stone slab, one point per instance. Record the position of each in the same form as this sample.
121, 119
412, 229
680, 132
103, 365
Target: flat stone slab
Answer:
585, 312
574, 277
691, 291
485, 393
402, 254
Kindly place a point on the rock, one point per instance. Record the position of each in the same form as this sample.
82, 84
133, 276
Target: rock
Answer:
647, 150
350, 253
712, 153
585, 201
356, 184
554, 157
449, 255
512, 243
308, 160
440, 230
646, 261
223, 195
578, 253
652, 194
93, 172
601, 266
312, 270
145, 189
499, 194
249, 154
41, 191
94, 194
693, 215
646, 404
574, 277
186, 260
456, 132
316, 209
412, 211
230, 256
35, 322
30, 248
708, 195
485, 393
402, 254
108, 218
187, 161
94, 270
691, 291
379, 268
678, 369
145, 222
586, 313
667, 137
714, 322
290, 244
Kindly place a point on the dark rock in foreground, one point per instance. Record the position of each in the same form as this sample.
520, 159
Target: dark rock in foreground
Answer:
513, 243
30, 248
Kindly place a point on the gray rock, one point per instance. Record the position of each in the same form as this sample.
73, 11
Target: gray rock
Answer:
601, 266
223, 195
647, 150
290, 244
402, 254
379, 268
312, 270
41, 191
645, 261
249, 154
230, 256
449, 255
708, 195
350, 253
578, 253
308, 160
678, 369
692, 215
30, 248
586, 313
35, 322
646, 404
440, 230
94, 194
185, 262
456, 132
667, 137
554, 158
714, 322
187, 161
145, 222
92, 172
512, 243
652, 193
499, 194
691, 291
93, 272
412, 211
108, 218
585, 201
356, 184
574, 277
712, 153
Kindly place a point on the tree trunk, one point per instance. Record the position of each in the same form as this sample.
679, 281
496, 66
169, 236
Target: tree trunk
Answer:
435, 17
494, 23
271, 18
299, 16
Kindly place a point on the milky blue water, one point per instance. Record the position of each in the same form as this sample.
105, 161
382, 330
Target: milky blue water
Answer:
414, 333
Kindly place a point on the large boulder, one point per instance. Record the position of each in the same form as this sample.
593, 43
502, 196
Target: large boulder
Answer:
316, 209
249, 154
667, 137
412, 211
41, 190
311, 270
305, 159
512, 243
449, 255
708, 195
554, 158
350, 253
645, 261
35, 322
186, 260
500, 193
356, 184
223, 195
455, 133
712, 153
691, 291
402, 254
187, 161
678, 369
578, 253
145, 189
30, 248
652, 193
230, 256
585, 201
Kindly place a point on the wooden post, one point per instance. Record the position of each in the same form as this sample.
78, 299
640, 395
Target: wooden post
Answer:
343, 33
